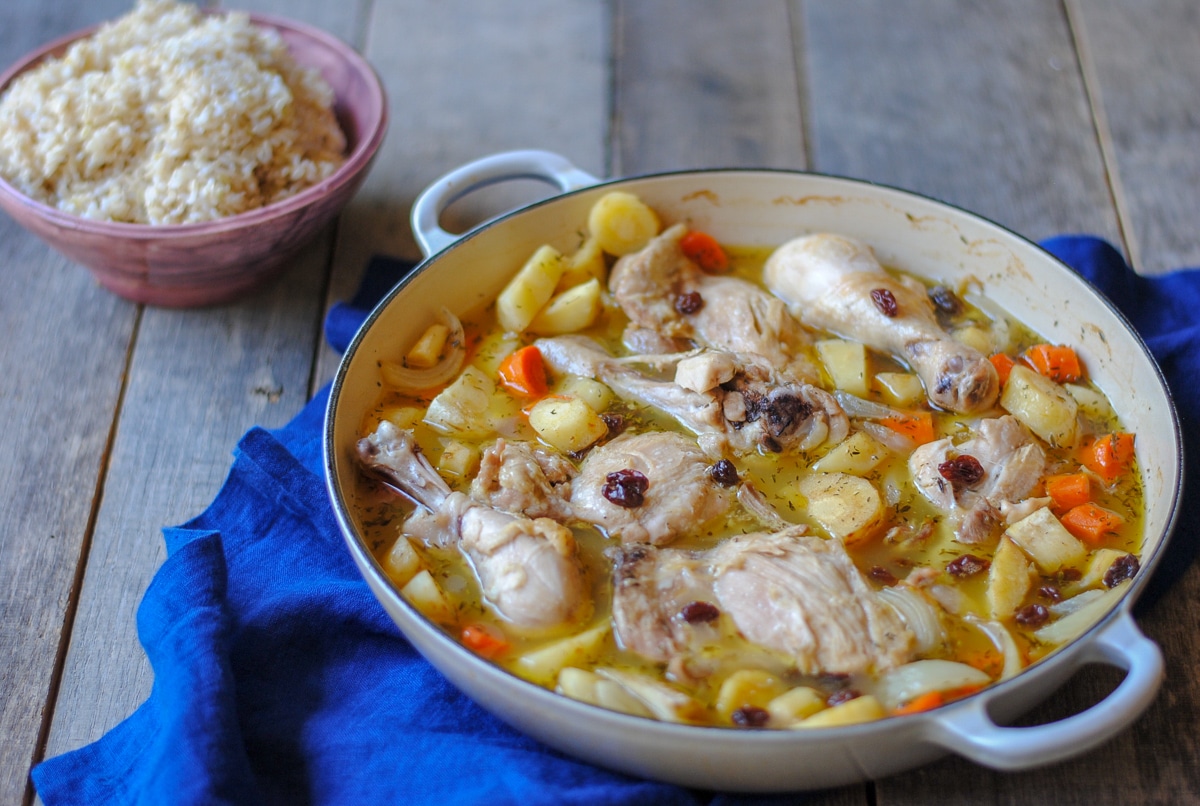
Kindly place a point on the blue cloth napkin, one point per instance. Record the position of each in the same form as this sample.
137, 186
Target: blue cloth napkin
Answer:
280, 680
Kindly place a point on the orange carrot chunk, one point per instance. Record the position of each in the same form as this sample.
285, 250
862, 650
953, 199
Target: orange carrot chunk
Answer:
1091, 523
524, 372
704, 250
1003, 364
1056, 361
484, 640
1067, 490
917, 426
1109, 456
922, 702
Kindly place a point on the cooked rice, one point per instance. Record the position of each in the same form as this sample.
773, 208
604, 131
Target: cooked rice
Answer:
169, 116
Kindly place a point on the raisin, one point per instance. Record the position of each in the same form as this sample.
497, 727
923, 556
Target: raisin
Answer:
614, 421
1069, 574
966, 565
724, 473
689, 303
749, 716
885, 301
1050, 593
626, 488
1123, 568
961, 471
842, 695
1034, 615
882, 575
699, 612
945, 300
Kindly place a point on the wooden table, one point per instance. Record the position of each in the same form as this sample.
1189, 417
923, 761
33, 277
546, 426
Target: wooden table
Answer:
118, 419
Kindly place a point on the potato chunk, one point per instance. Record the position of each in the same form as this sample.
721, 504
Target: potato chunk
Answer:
1009, 579
861, 709
747, 688
591, 391
846, 363
1047, 541
566, 423
530, 289
857, 455
585, 686
848, 507
542, 665
1042, 405
587, 263
901, 389
402, 562
622, 223
423, 593
570, 311
794, 705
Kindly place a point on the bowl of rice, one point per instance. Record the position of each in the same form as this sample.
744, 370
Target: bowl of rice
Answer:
185, 156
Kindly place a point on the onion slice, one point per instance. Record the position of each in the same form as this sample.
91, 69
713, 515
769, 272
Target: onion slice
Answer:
999, 635
906, 683
410, 380
918, 613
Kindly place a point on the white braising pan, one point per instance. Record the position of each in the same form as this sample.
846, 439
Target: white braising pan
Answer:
768, 207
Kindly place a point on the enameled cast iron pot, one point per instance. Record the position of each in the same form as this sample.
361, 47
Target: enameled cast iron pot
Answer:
768, 207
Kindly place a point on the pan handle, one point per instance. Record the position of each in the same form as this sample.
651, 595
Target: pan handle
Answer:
970, 731
502, 167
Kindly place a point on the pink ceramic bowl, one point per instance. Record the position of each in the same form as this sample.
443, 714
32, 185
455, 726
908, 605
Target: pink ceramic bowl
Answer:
188, 265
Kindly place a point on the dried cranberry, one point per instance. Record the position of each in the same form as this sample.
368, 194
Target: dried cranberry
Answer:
841, 696
689, 303
749, 716
1123, 568
885, 301
946, 300
882, 575
1050, 593
724, 473
961, 471
699, 612
966, 565
1034, 615
626, 488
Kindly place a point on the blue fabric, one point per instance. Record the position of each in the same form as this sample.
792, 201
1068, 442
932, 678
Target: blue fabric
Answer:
280, 680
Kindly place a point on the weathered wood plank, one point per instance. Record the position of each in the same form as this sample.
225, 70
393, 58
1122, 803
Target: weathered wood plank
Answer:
1143, 60
62, 357
197, 380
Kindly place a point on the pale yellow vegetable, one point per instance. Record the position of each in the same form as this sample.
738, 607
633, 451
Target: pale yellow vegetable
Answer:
663, 701
622, 223
403, 416
423, 593
591, 391
428, 349
744, 688
857, 454
458, 459
861, 709
846, 363
587, 263
492, 351
1009, 579
901, 389
794, 705
1091, 402
589, 687
1071, 626
1042, 405
976, 338
530, 289
848, 507
569, 312
1097, 566
463, 407
402, 562
542, 665
566, 423
905, 683
1047, 542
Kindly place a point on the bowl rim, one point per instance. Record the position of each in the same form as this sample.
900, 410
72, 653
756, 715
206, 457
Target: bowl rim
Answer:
1064, 658
357, 160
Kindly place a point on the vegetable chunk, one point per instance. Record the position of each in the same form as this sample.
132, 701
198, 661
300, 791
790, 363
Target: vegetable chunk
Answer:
848, 507
1047, 541
1042, 406
530, 289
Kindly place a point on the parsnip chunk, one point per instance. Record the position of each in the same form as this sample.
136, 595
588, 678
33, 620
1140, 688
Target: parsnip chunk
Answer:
566, 423
428, 349
861, 709
848, 507
1047, 541
857, 455
1009, 579
530, 289
622, 223
570, 311
1042, 405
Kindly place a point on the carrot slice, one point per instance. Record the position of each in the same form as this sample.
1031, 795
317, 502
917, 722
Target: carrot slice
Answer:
484, 640
917, 426
1067, 490
1056, 361
1091, 523
1003, 364
1109, 456
704, 250
922, 702
524, 372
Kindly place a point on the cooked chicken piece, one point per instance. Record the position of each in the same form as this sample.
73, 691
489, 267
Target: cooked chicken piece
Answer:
1012, 462
526, 479
679, 497
803, 596
754, 409
833, 283
725, 313
529, 570
789, 592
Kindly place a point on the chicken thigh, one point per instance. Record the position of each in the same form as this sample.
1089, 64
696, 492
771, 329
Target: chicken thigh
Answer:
836, 284
528, 569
